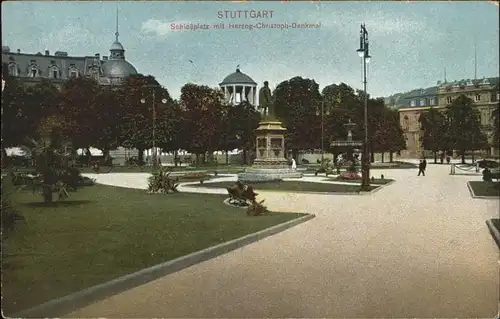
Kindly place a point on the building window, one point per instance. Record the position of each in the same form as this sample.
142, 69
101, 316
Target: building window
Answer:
477, 98
33, 73
422, 102
432, 101
448, 99
413, 103
73, 74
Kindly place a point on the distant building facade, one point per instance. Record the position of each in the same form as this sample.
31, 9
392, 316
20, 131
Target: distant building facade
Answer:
484, 93
59, 67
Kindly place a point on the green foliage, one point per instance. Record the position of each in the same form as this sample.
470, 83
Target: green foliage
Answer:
295, 103
204, 118
496, 127
464, 126
9, 214
160, 182
54, 174
434, 125
256, 208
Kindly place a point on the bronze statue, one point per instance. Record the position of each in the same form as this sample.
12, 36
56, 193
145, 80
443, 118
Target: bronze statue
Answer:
265, 101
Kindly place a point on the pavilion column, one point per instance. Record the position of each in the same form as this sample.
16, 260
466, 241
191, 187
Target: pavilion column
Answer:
225, 93
234, 94
251, 96
243, 95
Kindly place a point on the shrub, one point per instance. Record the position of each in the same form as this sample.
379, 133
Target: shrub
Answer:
350, 175
160, 182
256, 208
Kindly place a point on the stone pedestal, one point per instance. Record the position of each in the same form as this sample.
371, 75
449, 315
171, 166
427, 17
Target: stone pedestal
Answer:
270, 163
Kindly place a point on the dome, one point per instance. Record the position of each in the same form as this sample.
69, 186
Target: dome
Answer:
238, 78
118, 69
117, 46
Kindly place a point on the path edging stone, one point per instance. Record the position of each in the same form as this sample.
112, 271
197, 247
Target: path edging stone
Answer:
64, 305
494, 232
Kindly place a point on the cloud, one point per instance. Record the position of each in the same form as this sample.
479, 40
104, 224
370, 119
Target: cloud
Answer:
71, 37
159, 28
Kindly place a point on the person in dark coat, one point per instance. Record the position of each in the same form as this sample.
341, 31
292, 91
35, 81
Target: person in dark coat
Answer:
421, 169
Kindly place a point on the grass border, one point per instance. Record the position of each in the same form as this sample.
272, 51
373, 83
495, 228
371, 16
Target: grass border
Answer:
65, 305
471, 190
494, 232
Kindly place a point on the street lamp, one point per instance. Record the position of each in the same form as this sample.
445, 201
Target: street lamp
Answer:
153, 102
322, 127
363, 53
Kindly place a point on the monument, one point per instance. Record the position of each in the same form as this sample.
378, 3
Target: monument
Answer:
270, 163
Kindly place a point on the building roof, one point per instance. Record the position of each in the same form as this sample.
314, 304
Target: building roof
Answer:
237, 77
117, 68
116, 46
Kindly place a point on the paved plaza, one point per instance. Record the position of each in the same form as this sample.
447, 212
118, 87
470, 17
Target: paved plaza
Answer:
417, 248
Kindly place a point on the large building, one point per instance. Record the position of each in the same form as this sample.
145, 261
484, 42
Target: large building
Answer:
58, 67
483, 92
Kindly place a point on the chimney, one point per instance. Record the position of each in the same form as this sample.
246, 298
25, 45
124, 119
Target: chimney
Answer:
98, 56
18, 51
47, 52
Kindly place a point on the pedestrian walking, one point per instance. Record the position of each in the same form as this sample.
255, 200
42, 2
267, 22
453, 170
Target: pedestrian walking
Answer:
424, 166
421, 168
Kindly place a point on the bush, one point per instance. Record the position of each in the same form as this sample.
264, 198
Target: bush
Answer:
350, 175
160, 182
304, 161
256, 208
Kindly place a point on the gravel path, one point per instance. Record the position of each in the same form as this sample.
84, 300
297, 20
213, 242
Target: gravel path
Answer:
417, 248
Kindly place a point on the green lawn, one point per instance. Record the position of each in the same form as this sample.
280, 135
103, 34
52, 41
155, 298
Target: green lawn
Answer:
103, 232
496, 223
291, 186
148, 169
377, 181
481, 188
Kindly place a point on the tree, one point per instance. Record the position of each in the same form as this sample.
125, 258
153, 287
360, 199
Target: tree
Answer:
389, 136
241, 121
170, 127
203, 118
295, 103
77, 112
464, 126
108, 116
22, 109
433, 124
496, 127
137, 117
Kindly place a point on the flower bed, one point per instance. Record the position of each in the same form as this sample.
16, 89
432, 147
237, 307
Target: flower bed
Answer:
350, 175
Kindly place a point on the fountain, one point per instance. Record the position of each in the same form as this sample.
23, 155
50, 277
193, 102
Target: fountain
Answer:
348, 143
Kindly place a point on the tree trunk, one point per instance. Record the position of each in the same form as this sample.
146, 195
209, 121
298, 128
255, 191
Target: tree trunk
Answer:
197, 159
107, 157
175, 158
47, 194
383, 157
473, 156
435, 157
227, 157
372, 157
140, 156
245, 156
295, 153
391, 157
463, 157
89, 156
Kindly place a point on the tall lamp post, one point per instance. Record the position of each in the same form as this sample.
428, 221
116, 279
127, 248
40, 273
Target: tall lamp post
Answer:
153, 102
322, 127
363, 53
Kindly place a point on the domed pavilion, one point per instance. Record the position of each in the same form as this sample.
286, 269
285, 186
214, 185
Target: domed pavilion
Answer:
239, 87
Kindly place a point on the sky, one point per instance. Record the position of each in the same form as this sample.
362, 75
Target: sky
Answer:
411, 43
